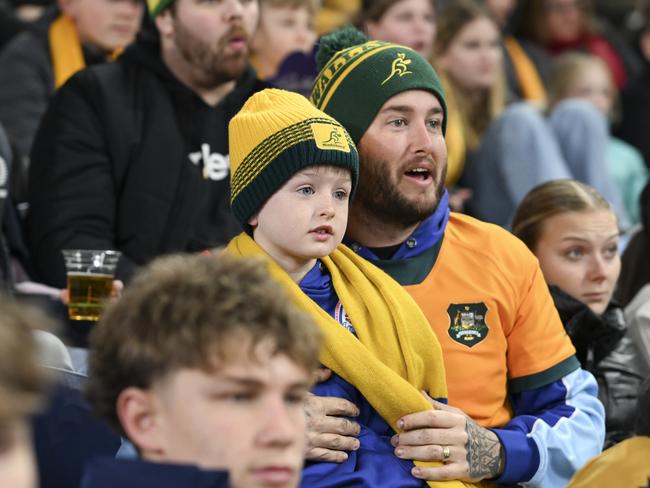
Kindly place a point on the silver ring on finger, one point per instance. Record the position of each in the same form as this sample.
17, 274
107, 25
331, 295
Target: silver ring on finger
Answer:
446, 452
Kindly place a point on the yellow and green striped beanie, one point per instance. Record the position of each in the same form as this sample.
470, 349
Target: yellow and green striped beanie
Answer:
357, 76
276, 134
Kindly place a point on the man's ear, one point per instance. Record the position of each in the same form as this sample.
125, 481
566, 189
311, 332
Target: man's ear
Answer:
253, 220
139, 414
164, 23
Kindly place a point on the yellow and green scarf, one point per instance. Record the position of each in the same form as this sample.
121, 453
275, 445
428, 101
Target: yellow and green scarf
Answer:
396, 354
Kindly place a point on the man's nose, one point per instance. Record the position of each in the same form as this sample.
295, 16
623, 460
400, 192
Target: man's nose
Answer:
422, 138
234, 9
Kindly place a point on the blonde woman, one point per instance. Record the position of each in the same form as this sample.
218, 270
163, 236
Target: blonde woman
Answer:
574, 233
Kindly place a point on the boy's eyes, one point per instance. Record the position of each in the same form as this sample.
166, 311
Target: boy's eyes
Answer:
306, 190
340, 194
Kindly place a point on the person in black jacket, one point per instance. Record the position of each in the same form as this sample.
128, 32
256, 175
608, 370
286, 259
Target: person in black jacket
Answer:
573, 232
133, 155
62, 41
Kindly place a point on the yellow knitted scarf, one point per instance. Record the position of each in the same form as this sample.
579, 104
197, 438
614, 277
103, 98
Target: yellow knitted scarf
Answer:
65, 49
396, 354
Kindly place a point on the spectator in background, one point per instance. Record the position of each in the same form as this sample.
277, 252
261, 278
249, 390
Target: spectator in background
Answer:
38, 61
286, 26
561, 25
204, 364
411, 23
525, 64
578, 75
511, 148
133, 155
282, 49
21, 385
574, 234
626, 464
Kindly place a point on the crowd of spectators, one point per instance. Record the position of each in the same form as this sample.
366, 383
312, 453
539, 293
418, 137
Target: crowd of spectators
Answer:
363, 243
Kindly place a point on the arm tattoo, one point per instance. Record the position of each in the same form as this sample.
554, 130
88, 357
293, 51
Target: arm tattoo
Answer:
484, 452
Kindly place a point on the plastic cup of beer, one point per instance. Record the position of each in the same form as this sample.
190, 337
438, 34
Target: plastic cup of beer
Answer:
90, 281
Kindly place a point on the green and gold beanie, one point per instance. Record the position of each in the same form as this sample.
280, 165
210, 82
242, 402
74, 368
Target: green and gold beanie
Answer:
357, 76
276, 134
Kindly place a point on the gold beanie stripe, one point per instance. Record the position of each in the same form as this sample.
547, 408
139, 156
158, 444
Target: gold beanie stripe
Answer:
334, 82
269, 149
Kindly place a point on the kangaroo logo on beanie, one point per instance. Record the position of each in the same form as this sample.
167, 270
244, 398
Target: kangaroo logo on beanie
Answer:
399, 67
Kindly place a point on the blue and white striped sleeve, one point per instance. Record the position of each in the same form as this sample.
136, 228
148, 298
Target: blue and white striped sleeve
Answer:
555, 429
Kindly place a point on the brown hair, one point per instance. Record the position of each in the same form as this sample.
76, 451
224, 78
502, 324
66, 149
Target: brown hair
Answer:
549, 199
475, 114
21, 379
185, 312
533, 27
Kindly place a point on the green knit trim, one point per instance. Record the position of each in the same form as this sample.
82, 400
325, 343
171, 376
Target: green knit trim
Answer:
287, 164
269, 150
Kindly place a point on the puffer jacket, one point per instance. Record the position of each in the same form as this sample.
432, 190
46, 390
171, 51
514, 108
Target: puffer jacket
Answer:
606, 350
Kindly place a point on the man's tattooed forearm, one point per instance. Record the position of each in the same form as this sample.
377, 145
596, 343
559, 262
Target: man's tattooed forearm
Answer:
484, 452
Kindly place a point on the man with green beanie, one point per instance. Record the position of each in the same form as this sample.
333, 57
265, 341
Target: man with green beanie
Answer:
134, 155
526, 412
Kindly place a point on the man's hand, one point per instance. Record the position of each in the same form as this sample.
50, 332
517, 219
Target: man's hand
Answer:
469, 452
328, 435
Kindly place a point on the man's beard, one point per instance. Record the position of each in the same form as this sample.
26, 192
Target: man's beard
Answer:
210, 66
378, 196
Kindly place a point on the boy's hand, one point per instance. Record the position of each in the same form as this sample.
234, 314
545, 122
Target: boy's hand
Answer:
469, 452
328, 435
116, 292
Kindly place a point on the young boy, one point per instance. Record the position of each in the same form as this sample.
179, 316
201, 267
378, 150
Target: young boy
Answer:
294, 170
286, 27
21, 383
204, 365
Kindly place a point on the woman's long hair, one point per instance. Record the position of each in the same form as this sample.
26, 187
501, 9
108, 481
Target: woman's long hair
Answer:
475, 112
